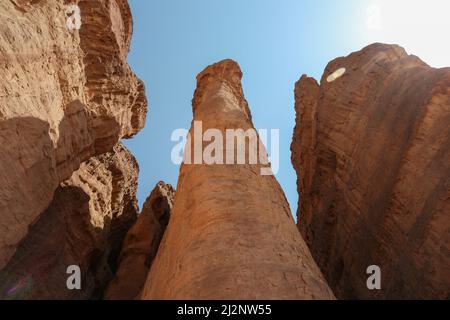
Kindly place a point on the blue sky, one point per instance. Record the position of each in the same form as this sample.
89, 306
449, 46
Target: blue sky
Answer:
275, 42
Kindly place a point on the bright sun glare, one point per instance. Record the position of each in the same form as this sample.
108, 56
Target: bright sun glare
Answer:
421, 26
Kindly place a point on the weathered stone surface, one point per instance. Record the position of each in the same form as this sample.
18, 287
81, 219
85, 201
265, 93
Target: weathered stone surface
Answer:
372, 153
231, 234
84, 225
141, 245
65, 96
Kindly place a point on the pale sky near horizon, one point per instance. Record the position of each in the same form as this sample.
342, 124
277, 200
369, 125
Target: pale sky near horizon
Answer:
275, 42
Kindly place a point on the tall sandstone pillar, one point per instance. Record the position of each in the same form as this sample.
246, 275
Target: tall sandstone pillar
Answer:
231, 235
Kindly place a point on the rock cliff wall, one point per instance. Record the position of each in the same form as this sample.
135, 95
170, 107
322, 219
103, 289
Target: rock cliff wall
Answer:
65, 96
372, 152
231, 234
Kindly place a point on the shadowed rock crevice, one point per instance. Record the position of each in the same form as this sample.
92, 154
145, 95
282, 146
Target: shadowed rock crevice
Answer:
141, 245
84, 226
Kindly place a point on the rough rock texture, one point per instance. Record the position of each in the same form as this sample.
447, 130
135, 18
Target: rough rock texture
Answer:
65, 96
372, 153
231, 234
141, 245
84, 225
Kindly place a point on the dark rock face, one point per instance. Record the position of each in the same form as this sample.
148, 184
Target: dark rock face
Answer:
84, 226
141, 245
372, 152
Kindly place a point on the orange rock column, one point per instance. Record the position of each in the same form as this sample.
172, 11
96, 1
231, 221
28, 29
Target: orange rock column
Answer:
231, 234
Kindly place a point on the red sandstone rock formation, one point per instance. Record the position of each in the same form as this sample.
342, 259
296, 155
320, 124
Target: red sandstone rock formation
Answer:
84, 225
141, 245
65, 96
231, 234
371, 150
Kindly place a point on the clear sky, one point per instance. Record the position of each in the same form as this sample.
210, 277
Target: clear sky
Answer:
275, 42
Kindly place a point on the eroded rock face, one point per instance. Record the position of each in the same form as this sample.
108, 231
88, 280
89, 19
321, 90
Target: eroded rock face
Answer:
65, 96
231, 234
372, 152
141, 245
84, 225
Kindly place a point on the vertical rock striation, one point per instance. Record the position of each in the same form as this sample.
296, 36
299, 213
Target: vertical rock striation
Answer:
141, 245
84, 225
372, 152
231, 234
65, 96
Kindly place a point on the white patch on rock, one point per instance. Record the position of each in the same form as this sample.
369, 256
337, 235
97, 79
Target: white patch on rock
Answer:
336, 75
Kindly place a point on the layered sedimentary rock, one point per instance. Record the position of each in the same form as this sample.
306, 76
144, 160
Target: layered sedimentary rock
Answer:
231, 234
84, 225
65, 95
141, 245
372, 152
